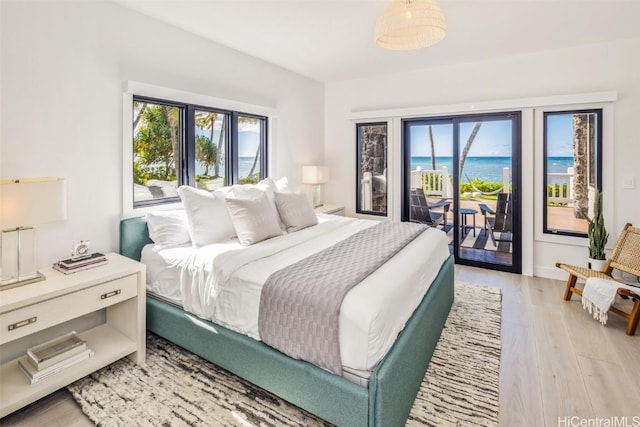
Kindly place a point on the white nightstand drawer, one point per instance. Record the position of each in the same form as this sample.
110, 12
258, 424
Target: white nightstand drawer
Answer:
27, 320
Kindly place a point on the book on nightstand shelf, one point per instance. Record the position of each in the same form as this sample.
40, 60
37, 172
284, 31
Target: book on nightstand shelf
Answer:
79, 261
56, 350
72, 265
34, 375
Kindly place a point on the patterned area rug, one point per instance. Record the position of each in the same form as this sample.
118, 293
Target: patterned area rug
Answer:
177, 388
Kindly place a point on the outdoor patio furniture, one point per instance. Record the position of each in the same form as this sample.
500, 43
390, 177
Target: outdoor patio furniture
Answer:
625, 257
422, 211
498, 221
464, 213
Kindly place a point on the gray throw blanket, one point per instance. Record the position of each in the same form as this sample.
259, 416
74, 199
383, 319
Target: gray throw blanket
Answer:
300, 304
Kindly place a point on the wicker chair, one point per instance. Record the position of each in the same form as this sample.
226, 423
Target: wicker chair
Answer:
625, 257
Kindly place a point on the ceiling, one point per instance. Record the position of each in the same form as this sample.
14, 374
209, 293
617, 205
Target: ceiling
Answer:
332, 40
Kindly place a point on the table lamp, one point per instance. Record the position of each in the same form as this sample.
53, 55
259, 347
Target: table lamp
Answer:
24, 203
316, 176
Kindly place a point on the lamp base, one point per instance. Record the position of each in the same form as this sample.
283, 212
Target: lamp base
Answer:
19, 264
10, 284
317, 195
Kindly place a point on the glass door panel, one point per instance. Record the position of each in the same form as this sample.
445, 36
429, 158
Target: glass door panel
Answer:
430, 174
462, 176
485, 196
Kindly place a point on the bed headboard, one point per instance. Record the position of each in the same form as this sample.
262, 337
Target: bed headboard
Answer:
134, 234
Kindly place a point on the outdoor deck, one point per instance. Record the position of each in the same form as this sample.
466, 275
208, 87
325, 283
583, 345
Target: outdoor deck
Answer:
558, 217
480, 248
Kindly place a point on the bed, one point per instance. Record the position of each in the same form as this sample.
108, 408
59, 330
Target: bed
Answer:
390, 386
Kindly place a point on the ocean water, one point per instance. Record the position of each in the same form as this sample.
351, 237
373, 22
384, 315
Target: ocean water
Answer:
244, 166
487, 168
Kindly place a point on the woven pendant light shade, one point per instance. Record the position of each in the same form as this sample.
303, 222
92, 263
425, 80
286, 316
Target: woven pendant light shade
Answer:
410, 24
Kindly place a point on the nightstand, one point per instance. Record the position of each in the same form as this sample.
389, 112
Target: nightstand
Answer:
330, 209
118, 287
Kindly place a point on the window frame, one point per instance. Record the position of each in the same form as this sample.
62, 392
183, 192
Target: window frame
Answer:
599, 136
186, 170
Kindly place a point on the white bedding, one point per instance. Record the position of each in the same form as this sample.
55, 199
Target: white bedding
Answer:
222, 282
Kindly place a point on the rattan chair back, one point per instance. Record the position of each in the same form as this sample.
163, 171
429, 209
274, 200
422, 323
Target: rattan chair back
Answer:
626, 254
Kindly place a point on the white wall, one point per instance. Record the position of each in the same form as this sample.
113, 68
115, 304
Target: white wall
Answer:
63, 71
591, 68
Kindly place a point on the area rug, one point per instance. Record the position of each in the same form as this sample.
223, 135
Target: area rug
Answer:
177, 388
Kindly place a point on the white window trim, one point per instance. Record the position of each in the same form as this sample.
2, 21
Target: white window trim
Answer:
485, 106
143, 89
607, 171
531, 152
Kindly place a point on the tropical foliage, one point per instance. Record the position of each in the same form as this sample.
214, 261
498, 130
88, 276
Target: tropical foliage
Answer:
155, 142
481, 185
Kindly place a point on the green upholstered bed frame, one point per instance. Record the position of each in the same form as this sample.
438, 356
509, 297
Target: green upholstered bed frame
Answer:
393, 384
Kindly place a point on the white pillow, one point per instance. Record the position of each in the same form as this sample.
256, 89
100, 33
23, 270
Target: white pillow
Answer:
268, 185
253, 218
208, 216
282, 185
168, 228
295, 211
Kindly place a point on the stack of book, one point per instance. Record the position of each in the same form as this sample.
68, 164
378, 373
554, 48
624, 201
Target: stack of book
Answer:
72, 265
53, 356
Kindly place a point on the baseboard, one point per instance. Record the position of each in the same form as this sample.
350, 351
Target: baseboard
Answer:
550, 273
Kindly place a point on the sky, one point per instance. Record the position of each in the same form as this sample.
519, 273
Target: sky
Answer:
248, 136
493, 138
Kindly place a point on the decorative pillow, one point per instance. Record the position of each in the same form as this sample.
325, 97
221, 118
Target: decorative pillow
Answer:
269, 187
253, 218
208, 216
295, 211
282, 185
168, 228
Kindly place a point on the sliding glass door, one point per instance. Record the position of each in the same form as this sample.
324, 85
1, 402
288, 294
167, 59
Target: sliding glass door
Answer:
462, 175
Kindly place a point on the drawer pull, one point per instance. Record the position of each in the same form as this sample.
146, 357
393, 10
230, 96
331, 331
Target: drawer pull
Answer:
110, 294
22, 323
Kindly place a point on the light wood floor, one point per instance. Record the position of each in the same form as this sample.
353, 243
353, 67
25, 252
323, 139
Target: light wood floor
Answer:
556, 361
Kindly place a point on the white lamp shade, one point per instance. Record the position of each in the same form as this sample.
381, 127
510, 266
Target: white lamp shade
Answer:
315, 174
32, 201
410, 24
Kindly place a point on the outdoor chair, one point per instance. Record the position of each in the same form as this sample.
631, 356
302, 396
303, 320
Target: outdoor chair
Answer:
625, 257
421, 210
498, 220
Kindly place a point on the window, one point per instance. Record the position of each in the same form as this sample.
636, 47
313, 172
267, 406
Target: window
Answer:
372, 168
210, 145
251, 143
572, 169
157, 138
182, 144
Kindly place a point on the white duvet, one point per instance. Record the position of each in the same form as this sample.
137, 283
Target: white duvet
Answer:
222, 283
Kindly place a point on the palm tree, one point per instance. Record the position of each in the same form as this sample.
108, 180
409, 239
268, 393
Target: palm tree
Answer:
206, 152
467, 146
207, 120
138, 111
433, 150
173, 120
257, 156
155, 142
582, 137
